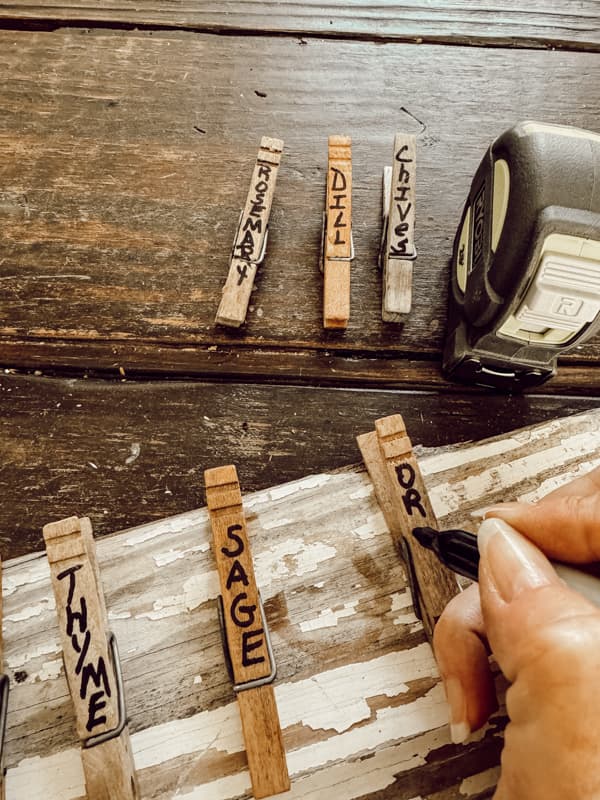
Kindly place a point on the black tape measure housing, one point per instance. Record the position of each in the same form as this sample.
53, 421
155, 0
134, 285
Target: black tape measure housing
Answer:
537, 187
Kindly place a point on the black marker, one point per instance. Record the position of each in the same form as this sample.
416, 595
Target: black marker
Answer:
457, 549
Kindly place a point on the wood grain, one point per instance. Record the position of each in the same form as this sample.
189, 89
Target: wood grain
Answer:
251, 236
265, 750
297, 367
236, 574
338, 607
337, 244
82, 619
125, 246
540, 24
402, 495
83, 629
245, 632
398, 246
127, 453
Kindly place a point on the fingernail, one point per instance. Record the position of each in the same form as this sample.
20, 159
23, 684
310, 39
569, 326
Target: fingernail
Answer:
513, 562
459, 727
504, 508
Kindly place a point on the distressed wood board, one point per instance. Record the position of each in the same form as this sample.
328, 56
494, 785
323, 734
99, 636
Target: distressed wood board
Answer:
117, 256
574, 24
126, 453
361, 707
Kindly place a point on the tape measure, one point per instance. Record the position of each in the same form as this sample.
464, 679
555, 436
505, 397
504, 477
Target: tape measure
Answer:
525, 284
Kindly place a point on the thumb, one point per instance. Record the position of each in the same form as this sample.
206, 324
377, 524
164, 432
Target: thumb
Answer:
528, 611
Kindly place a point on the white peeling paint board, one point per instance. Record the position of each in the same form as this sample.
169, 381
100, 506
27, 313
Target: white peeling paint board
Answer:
361, 706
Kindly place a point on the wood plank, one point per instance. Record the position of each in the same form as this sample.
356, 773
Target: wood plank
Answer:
326, 368
125, 246
338, 606
127, 453
540, 23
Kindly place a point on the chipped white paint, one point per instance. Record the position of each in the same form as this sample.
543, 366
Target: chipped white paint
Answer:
302, 485
162, 528
219, 729
174, 555
112, 615
401, 600
62, 777
355, 714
491, 447
49, 671
197, 590
364, 491
276, 523
448, 497
337, 699
290, 557
558, 480
30, 574
31, 611
16, 661
374, 526
328, 618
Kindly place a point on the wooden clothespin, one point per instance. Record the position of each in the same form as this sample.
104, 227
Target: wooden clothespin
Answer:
4, 688
337, 248
250, 241
402, 496
246, 640
91, 661
398, 252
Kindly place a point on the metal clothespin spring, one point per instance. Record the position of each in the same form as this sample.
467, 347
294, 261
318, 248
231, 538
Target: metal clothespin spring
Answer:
101, 738
4, 691
412, 578
253, 684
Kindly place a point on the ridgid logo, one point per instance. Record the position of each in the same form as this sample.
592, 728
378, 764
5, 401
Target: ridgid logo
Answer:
478, 228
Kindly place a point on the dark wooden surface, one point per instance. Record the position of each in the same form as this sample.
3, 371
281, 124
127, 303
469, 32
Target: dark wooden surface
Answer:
126, 453
540, 23
119, 214
124, 161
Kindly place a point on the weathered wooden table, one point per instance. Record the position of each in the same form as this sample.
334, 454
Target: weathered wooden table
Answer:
127, 137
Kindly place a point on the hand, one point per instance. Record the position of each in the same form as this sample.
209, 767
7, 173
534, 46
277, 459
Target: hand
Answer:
545, 638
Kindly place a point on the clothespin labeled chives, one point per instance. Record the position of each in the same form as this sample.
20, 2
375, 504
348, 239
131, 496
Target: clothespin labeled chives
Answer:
4, 687
246, 641
398, 252
337, 248
404, 501
250, 243
91, 661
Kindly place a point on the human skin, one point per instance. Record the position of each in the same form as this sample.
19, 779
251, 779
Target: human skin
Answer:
545, 638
